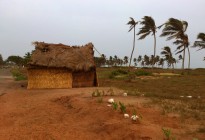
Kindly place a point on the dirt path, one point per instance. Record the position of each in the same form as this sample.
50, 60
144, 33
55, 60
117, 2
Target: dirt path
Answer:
74, 114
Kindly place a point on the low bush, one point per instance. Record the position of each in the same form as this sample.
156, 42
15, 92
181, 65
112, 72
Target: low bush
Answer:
142, 73
118, 72
18, 75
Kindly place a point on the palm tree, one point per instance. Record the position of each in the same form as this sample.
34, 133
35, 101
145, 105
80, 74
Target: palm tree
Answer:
146, 60
1, 60
125, 60
111, 61
147, 28
139, 59
156, 59
132, 24
161, 62
180, 57
115, 60
175, 29
201, 43
135, 61
181, 44
168, 56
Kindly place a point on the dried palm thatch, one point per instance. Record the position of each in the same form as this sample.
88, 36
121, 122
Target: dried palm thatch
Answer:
49, 78
62, 56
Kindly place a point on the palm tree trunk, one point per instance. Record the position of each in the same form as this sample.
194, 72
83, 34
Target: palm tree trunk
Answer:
154, 50
189, 57
132, 48
183, 57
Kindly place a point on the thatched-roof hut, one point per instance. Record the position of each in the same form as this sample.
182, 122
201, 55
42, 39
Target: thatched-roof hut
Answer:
61, 66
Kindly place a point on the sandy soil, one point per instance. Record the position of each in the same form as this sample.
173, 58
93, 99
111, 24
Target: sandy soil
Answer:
75, 114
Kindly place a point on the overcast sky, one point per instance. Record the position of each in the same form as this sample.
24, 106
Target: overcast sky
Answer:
102, 22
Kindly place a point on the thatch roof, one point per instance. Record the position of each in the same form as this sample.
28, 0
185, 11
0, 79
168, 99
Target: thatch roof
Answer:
75, 58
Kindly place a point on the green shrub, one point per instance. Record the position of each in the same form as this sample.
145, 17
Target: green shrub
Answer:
122, 107
18, 75
142, 73
118, 72
114, 105
96, 93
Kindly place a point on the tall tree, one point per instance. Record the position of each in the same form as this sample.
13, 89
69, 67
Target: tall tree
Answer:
175, 29
27, 58
146, 60
166, 52
156, 59
1, 60
201, 42
135, 61
148, 26
111, 61
139, 59
125, 60
15, 59
132, 24
161, 62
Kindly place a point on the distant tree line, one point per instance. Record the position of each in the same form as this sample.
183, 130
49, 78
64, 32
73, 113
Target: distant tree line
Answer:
16, 60
141, 61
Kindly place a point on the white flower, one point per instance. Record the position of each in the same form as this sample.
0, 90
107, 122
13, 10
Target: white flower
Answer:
124, 94
134, 117
126, 116
110, 101
189, 96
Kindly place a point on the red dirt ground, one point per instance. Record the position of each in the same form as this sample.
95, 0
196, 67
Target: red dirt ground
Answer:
74, 114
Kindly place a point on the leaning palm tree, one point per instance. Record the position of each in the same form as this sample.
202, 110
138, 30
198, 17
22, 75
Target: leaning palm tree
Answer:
175, 29
181, 43
148, 26
201, 43
166, 52
132, 24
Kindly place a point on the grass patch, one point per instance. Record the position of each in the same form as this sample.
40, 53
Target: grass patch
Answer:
18, 74
119, 73
143, 73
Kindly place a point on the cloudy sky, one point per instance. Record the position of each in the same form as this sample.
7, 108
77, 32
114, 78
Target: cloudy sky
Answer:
77, 22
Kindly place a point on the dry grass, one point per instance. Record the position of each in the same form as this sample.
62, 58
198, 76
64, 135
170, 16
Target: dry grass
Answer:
49, 78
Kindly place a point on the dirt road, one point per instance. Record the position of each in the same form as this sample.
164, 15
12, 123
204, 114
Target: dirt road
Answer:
74, 114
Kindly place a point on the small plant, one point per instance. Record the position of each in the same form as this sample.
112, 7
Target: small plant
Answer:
122, 107
114, 105
167, 133
96, 93
136, 117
